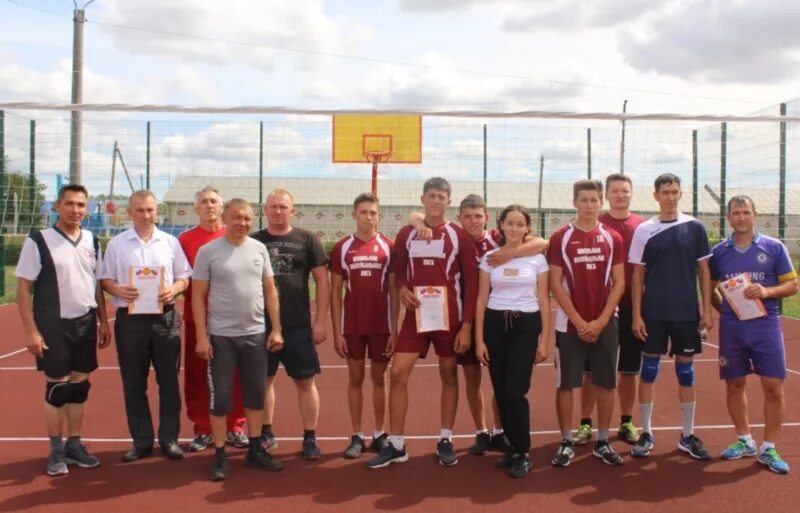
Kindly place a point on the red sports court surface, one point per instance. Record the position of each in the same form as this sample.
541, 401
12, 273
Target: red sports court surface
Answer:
666, 481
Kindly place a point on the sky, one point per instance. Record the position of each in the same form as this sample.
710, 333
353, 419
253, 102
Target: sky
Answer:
675, 56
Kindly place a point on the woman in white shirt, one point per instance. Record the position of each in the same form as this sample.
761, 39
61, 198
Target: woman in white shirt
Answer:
511, 333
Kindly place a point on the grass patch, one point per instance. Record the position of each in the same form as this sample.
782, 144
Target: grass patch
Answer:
9, 294
791, 305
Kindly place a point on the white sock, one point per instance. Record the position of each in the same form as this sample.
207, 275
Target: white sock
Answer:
687, 413
646, 414
766, 445
447, 434
377, 434
360, 434
397, 442
748, 439
479, 431
497, 431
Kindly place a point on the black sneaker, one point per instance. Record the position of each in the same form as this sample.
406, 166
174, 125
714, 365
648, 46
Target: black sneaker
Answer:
355, 448
262, 460
220, 470
520, 465
482, 442
200, 443
500, 443
76, 454
604, 451
310, 450
694, 446
564, 454
505, 461
237, 439
379, 443
386, 457
447, 456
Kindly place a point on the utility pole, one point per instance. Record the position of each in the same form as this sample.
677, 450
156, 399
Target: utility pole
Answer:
76, 125
622, 141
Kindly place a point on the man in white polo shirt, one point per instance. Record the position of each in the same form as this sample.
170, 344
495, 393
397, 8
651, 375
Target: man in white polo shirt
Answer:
145, 334
60, 266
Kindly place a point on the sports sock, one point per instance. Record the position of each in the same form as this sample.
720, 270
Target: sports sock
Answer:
361, 435
219, 451
602, 435
398, 442
566, 435
266, 430
254, 444
479, 431
766, 445
497, 431
687, 414
624, 419
446, 434
586, 420
73, 441
377, 434
309, 433
56, 443
646, 413
748, 439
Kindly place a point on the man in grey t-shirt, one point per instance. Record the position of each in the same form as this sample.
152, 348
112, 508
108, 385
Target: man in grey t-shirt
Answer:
233, 286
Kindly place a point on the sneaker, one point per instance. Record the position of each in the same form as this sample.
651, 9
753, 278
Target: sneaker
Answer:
628, 433
262, 460
739, 449
505, 461
220, 470
583, 435
520, 465
76, 454
483, 441
355, 448
604, 451
379, 443
386, 457
237, 439
447, 456
694, 446
310, 449
200, 443
500, 443
564, 454
56, 464
269, 442
643, 446
773, 461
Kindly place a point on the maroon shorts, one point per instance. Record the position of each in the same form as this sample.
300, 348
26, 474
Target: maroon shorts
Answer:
470, 357
409, 341
358, 346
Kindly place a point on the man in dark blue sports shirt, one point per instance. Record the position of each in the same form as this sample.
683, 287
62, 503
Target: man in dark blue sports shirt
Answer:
669, 252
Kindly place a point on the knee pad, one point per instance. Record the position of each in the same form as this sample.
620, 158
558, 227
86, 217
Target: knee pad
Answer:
650, 366
80, 391
58, 393
685, 373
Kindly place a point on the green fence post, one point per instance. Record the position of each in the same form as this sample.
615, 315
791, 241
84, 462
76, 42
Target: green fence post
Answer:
782, 187
3, 199
723, 177
147, 160
32, 177
695, 172
485, 166
589, 153
260, 175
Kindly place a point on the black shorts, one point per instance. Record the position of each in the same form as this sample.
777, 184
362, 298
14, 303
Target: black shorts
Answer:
298, 355
630, 347
72, 345
574, 355
683, 337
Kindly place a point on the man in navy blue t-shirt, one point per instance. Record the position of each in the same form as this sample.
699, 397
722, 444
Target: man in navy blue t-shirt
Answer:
669, 251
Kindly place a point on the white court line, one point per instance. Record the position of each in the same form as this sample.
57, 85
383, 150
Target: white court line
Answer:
407, 437
790, 371
338, 367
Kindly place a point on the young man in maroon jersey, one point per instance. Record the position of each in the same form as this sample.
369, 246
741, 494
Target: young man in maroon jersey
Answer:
433, 271
359, 266
620, 219
587, 277
208, 206
473, 216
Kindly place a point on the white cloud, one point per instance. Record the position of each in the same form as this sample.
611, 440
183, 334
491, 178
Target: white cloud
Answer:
536, 17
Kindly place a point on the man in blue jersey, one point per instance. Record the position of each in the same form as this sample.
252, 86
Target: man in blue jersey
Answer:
669, 251
754, 345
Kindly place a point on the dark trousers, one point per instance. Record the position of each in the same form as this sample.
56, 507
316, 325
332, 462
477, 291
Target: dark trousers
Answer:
142, 339
512, 339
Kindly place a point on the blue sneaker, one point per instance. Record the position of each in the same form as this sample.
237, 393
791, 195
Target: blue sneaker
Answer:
694, 446
739, 449
643, 446
773, 461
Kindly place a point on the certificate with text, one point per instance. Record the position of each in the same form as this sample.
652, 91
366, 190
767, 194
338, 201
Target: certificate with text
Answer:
432, 312
149, 281
744, 308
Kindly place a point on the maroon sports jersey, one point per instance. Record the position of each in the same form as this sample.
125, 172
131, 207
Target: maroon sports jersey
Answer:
364, 267
455, 267
624, 227
586, 259
489, 240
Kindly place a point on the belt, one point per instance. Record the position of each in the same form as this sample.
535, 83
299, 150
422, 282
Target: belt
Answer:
167, 308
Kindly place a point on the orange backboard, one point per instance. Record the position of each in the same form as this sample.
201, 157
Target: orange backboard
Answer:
358, 137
